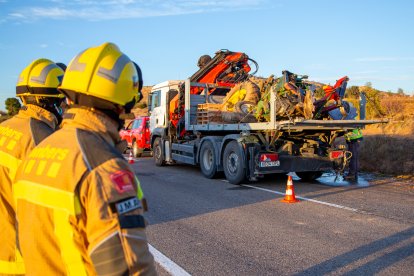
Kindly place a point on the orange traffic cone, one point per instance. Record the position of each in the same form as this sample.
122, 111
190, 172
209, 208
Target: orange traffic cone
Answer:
131, 158
290, 192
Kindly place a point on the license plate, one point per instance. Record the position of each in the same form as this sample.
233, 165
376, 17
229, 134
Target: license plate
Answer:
270, 164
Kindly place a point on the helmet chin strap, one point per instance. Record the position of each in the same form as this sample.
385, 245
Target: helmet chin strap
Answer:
54, 107
51, 104
110, 109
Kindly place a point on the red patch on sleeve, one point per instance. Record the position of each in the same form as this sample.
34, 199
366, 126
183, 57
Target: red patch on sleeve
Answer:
123, 180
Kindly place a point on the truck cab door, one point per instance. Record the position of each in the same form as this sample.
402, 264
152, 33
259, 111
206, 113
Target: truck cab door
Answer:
157, 110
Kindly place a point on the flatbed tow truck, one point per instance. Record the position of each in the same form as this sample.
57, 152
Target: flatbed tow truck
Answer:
242, 150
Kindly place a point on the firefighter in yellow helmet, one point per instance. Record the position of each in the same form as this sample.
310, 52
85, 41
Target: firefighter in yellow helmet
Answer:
77, 203
38, 118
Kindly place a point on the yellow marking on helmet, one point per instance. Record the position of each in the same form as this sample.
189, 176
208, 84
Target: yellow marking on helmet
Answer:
29, 166
41, 167
54, 169
11, 144
2, 140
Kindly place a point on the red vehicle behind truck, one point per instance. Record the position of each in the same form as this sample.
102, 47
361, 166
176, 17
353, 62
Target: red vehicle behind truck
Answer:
137, 134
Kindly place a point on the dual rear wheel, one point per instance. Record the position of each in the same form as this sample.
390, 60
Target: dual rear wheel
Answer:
232, 162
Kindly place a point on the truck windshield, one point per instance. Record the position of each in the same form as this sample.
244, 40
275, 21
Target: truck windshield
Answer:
154, 100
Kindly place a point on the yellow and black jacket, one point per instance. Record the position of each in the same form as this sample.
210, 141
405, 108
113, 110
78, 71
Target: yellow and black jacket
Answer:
18, 136
77, 203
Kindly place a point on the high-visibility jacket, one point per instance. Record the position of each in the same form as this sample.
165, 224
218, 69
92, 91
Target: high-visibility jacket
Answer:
77, 203
18, 136
355, 134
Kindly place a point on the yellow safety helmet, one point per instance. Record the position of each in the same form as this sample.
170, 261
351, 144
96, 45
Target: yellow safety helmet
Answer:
41, 78
103, 72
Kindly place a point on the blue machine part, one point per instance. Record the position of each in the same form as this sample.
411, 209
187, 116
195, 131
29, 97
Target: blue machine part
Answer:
337, 115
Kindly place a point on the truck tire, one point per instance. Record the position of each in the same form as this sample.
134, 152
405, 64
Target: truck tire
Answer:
158, 154
309, 176
208, 160
233, 163
136, 151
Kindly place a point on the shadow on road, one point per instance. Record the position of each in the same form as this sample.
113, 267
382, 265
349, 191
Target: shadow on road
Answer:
183, 186
388, 249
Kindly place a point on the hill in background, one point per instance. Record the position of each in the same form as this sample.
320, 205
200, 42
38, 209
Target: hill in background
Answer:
141, 109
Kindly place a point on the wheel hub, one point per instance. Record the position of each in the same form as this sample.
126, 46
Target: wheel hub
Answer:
232, 162
157, 152
208, 159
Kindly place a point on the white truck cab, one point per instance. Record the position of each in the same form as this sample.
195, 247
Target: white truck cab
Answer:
158, 103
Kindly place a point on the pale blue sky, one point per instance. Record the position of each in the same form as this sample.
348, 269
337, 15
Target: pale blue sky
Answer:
325, 39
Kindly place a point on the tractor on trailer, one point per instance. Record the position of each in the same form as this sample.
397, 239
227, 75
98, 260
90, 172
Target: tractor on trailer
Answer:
242, 149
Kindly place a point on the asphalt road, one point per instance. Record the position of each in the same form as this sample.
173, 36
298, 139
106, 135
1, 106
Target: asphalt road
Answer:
210, 227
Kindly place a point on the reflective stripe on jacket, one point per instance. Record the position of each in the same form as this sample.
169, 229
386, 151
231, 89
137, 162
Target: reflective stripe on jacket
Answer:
18, 136
79, 195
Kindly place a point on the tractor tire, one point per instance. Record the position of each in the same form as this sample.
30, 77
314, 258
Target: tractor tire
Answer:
248, 109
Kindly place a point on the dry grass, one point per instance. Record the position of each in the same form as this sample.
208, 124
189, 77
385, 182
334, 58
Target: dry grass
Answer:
389, 148
399, 110
388, 154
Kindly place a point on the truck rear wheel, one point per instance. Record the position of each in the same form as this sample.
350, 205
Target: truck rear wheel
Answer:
208, 160
158, 154
309, 176
233, 163
136, 151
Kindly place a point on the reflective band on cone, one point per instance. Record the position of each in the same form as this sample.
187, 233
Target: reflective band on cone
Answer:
131, 158
290, 192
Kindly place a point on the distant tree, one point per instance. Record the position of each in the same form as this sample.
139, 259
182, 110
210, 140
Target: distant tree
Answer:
4, 118
374, 108
400, 92
369, 84
352, 92
12, 105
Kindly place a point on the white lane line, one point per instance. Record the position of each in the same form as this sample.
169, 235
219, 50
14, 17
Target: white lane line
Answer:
171, 267
303, 198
